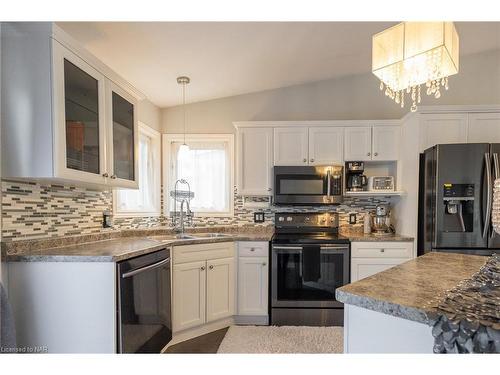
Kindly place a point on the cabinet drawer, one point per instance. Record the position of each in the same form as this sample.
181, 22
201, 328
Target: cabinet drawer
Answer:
253, 249
366, 267
193, 253
382, 249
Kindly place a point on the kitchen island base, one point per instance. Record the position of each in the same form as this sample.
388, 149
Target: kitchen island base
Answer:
367, 331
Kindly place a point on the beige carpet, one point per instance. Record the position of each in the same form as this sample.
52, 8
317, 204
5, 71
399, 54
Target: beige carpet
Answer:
272, 339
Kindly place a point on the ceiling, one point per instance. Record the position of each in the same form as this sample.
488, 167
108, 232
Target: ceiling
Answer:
231, 58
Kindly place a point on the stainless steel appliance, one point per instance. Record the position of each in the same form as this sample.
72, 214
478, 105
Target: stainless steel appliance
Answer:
299, 185
356, 180
144, 305
455, 198
309, 261
381, 183
379, 220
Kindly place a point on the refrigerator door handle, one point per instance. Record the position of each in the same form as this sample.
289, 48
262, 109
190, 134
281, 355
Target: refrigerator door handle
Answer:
487, 218
496, 169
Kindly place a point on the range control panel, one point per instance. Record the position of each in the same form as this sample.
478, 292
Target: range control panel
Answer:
304, 220
458, 191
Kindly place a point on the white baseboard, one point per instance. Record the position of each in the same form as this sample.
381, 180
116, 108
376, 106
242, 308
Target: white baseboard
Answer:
257, 320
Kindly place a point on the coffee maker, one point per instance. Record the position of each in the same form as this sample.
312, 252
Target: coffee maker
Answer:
356, 180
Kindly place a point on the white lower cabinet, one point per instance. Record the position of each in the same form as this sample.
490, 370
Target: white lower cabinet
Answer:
203, 284
369, 258
253, 282
220, 289
189, 280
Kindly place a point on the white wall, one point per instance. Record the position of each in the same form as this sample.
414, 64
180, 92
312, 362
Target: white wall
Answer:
355, 97
149, 114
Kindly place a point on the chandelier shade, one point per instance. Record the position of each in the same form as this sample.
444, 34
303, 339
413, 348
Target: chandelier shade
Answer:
410, 54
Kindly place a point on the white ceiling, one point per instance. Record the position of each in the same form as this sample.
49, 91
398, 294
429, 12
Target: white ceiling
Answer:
230, 58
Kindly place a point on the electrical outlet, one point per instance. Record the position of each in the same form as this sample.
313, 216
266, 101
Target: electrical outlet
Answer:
352, 218
258, 217
106, 219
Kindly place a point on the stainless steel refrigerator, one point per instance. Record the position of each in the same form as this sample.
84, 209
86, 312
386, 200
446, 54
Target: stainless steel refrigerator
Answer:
456, 198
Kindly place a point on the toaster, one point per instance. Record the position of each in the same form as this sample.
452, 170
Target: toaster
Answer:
384, 183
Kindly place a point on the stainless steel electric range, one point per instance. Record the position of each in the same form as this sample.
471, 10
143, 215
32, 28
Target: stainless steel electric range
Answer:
309, 261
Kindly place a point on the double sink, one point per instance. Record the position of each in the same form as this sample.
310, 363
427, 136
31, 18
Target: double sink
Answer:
189, 236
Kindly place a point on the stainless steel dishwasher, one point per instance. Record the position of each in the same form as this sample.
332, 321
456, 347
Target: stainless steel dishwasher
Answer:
144, 314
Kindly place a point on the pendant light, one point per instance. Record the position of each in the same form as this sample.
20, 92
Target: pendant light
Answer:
183, 80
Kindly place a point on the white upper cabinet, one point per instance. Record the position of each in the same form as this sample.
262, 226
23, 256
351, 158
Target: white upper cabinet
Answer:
385, 142
122, 136
79, 116
255, 161
442, 128
67, 116
483, 128
291, 146
326, 145
358, 143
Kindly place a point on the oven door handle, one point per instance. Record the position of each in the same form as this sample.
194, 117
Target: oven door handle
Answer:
288, 248
334, 248
150, 267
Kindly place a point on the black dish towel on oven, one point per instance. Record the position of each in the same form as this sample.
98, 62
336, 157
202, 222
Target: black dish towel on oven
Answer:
311, 263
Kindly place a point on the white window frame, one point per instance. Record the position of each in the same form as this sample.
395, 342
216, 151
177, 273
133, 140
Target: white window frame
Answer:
167, 140
156, 137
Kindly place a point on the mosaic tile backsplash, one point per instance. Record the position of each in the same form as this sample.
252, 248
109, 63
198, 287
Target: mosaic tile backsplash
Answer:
32, 210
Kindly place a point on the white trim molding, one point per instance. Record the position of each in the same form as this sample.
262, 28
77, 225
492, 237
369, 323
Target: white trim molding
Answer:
315, 123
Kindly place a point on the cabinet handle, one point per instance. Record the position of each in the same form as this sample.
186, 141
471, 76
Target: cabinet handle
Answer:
304, 160
312, 160
211, 267
264, 264
368, 154
113, 176
382, 250
202, 268
105, 174
375, 154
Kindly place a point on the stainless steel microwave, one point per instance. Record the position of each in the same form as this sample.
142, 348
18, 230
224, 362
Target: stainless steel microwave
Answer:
311, 185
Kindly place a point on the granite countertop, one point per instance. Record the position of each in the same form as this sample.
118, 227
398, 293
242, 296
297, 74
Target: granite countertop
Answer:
117, 246
125, 247
417, 286
387, 237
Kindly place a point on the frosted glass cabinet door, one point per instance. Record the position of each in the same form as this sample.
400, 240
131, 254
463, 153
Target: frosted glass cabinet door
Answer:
79, 115
123, 138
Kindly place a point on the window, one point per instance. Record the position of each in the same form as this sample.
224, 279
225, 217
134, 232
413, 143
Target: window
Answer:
208, 168
146, 201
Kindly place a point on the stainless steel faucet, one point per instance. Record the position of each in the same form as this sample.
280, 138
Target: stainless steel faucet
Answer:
183, 196
182, 215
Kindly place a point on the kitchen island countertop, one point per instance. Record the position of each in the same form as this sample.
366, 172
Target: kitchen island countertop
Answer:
417, 286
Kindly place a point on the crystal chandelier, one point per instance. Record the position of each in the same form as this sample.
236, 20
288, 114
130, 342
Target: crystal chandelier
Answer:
411, 54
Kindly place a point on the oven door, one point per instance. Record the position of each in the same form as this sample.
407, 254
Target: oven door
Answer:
307, 185
308, 275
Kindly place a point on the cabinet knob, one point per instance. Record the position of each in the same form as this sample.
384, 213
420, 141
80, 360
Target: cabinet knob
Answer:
252, 249
382, 250
269, 189
105, 174
211, 267
304, 160
202, 268
375, 154
264, 264
368, 154
312, 160
113, 176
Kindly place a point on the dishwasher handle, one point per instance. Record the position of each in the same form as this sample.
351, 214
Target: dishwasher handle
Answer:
146, 268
